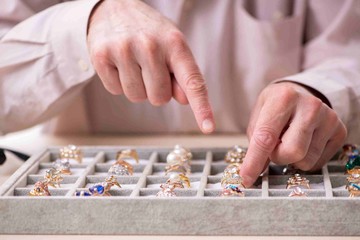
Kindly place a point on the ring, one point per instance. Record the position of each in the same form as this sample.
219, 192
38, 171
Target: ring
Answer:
121, 167
62, 165
103, 188
167, 190
128, 153
178, 180
179, 160
355, 178
354, 189
71, 152
348, 150
297, 192
231, 175
53, 177
232, 190
235, 155
297, 180
40, 189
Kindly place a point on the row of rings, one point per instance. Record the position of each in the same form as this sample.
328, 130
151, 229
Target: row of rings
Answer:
231, 181
178, 167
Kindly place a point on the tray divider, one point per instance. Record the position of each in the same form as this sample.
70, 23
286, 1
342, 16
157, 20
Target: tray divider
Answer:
146, 172
100, 156
327, 182
205, 174
265, 185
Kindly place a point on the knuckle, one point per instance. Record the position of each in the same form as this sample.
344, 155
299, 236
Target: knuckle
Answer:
332, 117
194, 83
265, 138
176, 39
99, 54
123, 47
149, 44
313, 113
286, 93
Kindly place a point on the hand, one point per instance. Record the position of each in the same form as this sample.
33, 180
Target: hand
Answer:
289, 125
138, 52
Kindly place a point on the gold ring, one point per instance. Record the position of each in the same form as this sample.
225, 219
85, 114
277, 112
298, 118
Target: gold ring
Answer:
179, 160
103, 188
354, 189
62, 165
53, 177
179, 180
40, 189
122, 167
71, 152
231, 175
235, 155
296, 181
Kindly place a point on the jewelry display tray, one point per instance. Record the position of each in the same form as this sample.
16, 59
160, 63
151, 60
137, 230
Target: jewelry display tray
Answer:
266, 208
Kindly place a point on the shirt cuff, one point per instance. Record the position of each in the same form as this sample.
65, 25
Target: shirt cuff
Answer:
68, 36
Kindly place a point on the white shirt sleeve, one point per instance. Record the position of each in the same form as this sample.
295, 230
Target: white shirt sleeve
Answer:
332, 66
44, 62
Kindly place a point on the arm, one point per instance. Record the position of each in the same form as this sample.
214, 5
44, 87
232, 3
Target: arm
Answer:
290, 125
39, 74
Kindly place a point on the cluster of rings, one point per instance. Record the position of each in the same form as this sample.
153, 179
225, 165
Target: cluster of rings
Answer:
119, 168
231, 181
351, 154
178, 168
53, 176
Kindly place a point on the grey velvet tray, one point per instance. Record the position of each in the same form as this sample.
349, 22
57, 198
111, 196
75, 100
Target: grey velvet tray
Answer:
266, 208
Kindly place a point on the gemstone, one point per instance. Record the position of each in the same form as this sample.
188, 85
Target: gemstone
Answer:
119, 170
354, 161
82, 193
355, 186
98, 188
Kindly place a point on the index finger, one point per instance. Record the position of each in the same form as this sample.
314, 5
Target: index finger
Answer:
187, 74
270, 123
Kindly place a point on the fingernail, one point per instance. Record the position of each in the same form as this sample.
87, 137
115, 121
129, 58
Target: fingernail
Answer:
207, 126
